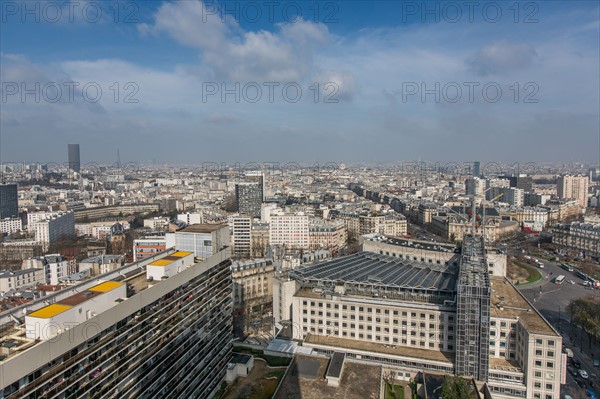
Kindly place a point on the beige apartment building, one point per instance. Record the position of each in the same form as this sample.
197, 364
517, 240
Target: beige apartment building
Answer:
331, 235
252, 282
578, 238
573, 187
357, 225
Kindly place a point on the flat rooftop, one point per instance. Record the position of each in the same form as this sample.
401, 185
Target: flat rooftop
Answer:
415, 353
504, 364
335, 364
370, 268
507, 302
201, 228
358, 381
74, 300
411, 243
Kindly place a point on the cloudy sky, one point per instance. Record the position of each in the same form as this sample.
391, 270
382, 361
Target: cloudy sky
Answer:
188, 82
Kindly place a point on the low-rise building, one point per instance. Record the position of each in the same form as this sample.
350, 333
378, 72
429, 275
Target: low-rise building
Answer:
55, 266
581, 239
17, 279
97, 265
148, 246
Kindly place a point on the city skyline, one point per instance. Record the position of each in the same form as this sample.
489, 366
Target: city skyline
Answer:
133, 77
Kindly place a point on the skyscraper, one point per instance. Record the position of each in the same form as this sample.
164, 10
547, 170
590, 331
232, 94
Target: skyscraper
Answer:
74, 161
9, 204
476, 171
249, 197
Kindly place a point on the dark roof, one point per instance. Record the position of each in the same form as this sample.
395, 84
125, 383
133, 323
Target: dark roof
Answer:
240, 358
370, 268
336, 364
79, 298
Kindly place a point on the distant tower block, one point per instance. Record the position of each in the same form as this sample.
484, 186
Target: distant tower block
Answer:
476, 172
74, 161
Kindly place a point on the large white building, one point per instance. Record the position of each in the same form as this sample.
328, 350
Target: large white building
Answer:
510, 195
424, 316
241, 229
124, 335
200, 239
55, 227
289, 231
11, 225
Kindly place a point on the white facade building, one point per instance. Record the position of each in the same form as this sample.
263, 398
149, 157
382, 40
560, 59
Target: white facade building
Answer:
289, 230
17, 279
201, 239
56, 267
56, 227
241, 228
191, 218
11, 225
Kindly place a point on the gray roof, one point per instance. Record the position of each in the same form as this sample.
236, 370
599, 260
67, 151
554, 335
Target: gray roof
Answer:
370, 268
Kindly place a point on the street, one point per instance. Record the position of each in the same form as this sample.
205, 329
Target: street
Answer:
551, 301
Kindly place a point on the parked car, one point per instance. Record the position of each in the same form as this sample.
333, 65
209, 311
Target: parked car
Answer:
577, 363
591, 394
569, 353
583, 374
580, 382
573, 371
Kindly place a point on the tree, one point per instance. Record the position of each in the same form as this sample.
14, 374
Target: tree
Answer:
585, 312
389, 376
455, 388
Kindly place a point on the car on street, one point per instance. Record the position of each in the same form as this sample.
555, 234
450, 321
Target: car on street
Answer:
583, 374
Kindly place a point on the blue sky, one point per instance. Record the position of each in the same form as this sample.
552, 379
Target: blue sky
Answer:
156, 62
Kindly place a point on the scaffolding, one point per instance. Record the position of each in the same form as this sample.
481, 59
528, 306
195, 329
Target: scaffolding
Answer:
473, 311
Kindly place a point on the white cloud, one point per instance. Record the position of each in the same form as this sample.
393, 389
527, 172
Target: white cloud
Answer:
237, 55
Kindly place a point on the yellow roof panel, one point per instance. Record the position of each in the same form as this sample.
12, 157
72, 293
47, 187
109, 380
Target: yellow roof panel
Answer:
106, 286
49, 311
161, 262
181, 254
